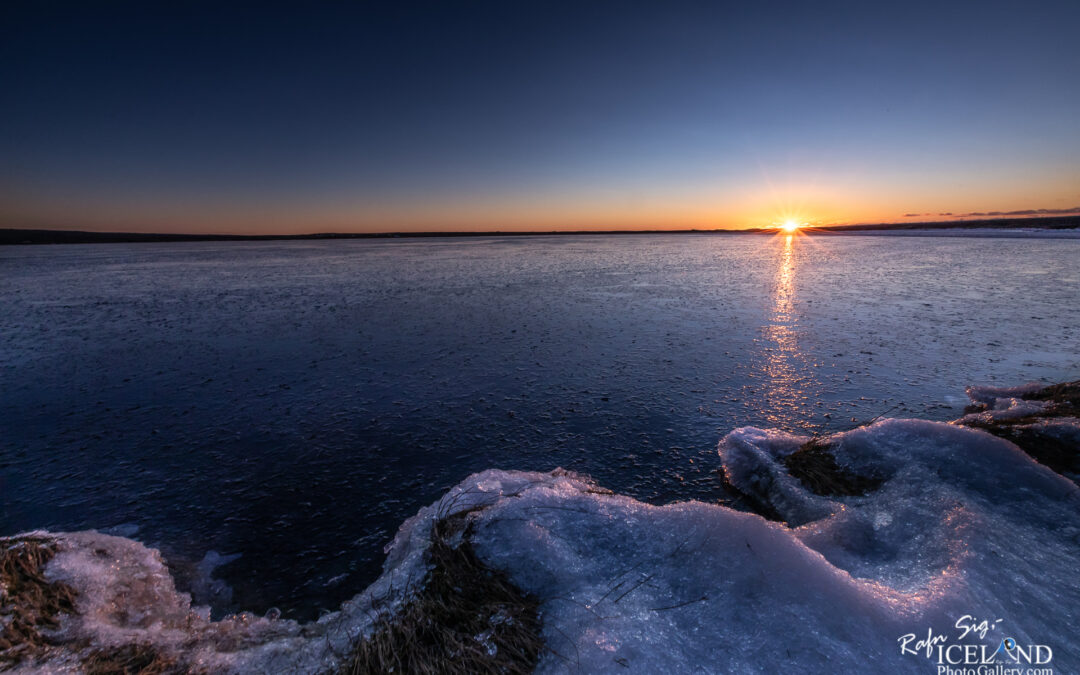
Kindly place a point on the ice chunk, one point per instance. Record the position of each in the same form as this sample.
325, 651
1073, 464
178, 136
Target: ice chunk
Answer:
963, 524
1000, 408
751, 463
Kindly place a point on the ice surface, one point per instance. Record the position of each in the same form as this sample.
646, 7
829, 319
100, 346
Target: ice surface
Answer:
964, 524
294, 402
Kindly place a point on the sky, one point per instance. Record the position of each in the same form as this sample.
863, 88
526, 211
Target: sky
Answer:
515, 115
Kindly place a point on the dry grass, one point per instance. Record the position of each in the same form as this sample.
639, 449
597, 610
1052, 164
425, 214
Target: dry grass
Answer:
468, 618
28, 602
816, 468
1063, 395
132, 659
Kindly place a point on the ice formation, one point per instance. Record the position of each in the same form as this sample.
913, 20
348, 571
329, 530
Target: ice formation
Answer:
964, 524
964, 527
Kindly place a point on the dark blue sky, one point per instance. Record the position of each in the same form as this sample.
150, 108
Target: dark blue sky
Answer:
511, 115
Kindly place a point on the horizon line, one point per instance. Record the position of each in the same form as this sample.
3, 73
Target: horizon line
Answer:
9, 235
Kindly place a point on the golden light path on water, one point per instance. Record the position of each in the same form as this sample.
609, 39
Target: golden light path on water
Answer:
787, 377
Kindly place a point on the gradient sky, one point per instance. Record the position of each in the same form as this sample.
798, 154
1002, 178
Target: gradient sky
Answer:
510, 115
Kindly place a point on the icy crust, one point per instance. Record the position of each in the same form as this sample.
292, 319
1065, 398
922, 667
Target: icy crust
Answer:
1004, 409
1003, 403
751, 459
126, 596
990, 395
963, 523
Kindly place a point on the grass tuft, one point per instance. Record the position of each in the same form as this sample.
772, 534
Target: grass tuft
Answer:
468, 618
131, 659
816, 468
28, 601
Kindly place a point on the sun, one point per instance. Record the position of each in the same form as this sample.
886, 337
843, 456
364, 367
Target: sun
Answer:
790, 225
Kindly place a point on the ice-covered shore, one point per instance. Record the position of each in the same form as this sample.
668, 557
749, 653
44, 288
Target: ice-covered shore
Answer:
960, 527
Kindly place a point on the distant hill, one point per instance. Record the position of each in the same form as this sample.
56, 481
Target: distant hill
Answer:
1040, 223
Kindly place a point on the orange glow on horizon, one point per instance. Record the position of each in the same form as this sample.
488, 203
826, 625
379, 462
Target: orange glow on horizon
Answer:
794, 209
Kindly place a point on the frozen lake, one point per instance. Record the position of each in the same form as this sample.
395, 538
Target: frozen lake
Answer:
294, 402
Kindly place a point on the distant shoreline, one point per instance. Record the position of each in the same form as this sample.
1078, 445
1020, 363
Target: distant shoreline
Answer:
14, 237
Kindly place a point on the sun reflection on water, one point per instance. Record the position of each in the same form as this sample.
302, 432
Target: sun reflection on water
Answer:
787, 377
